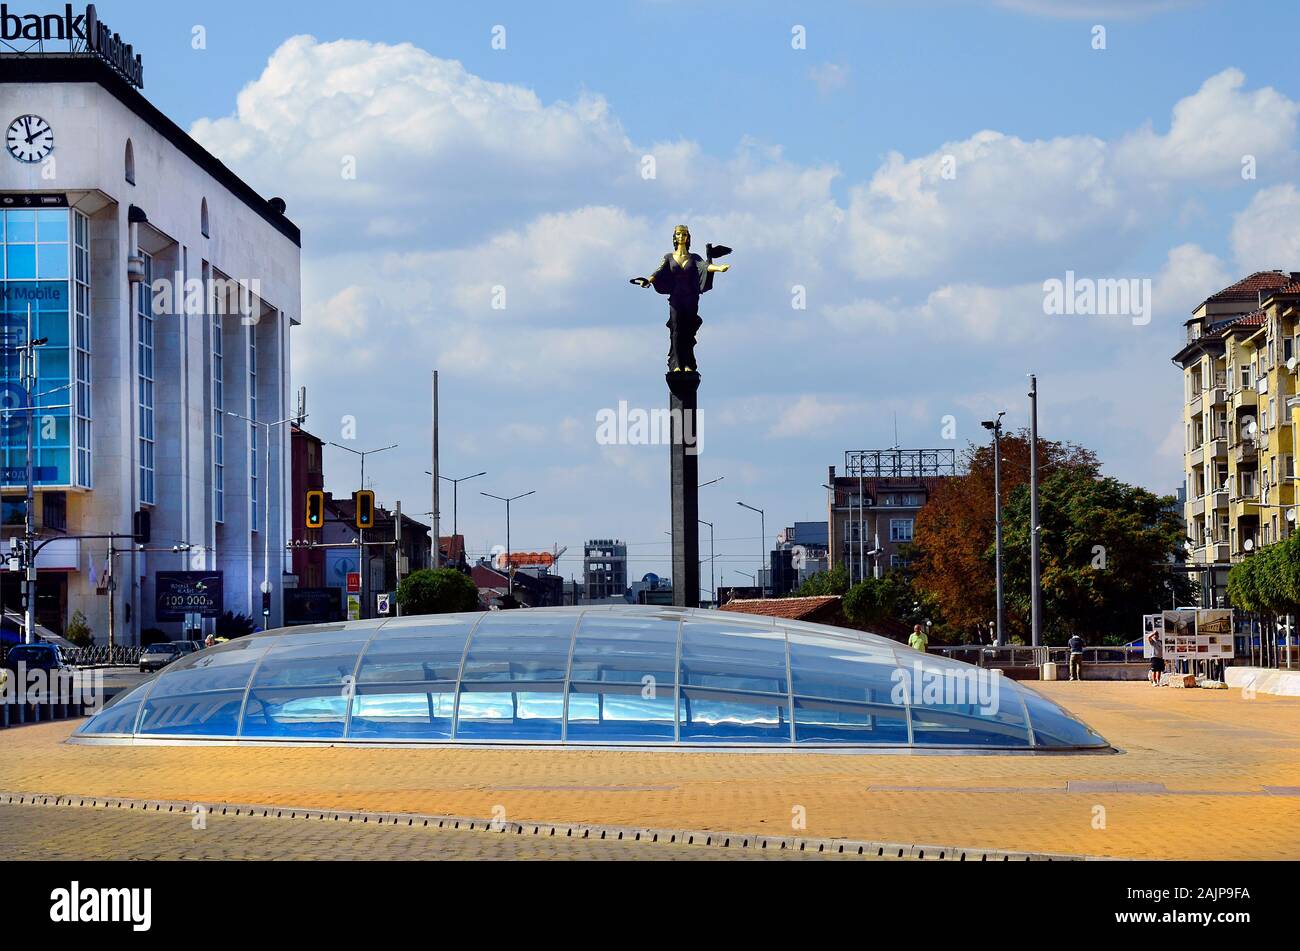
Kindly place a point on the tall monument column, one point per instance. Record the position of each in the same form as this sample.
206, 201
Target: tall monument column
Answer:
683, 278
683, 390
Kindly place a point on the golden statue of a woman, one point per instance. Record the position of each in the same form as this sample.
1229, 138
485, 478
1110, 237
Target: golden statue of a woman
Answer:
682, 277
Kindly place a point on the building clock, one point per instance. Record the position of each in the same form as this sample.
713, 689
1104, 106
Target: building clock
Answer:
29, 139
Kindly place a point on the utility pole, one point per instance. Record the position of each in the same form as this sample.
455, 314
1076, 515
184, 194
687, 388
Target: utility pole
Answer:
111, 584
397, 556
1035, 530
27, 374
713, 557
996, 427
437, 514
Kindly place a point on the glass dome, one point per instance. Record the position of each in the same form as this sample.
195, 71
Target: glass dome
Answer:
585, 676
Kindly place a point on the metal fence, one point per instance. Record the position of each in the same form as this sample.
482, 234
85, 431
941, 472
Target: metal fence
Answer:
97, 656
1020, 656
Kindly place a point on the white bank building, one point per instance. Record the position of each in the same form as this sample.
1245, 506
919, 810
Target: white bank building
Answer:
163, 290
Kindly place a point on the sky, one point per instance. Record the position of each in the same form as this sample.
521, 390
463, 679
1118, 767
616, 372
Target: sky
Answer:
476, 183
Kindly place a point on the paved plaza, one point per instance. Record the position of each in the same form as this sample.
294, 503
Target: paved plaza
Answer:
1200, 774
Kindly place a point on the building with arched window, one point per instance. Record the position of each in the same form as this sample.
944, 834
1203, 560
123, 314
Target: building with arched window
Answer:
165, 288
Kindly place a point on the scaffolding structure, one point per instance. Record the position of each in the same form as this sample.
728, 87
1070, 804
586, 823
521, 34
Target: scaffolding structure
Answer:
899, 463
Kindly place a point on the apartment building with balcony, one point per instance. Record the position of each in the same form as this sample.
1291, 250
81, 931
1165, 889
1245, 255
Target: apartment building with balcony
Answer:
1240, 380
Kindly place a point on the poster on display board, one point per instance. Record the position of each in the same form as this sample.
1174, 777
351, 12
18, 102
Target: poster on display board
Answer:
1198, 635
1151, 624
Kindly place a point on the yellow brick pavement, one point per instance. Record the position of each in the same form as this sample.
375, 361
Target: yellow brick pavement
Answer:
1200, 774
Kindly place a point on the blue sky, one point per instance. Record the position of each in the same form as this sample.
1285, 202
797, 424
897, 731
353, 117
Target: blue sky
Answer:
518, 168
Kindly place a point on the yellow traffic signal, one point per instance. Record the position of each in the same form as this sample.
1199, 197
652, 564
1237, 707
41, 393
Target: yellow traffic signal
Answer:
364, 504
315, 509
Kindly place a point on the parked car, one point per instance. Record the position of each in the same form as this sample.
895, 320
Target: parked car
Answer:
35, 656
189, 647
158, 656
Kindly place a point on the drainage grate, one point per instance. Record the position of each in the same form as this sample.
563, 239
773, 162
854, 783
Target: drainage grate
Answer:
720, 840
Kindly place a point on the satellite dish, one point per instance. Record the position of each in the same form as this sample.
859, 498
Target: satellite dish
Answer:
1248, 544
1290, 515
1290, 364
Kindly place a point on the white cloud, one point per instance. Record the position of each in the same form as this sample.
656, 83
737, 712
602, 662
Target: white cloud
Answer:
1266, 235
829, 77
1210, 132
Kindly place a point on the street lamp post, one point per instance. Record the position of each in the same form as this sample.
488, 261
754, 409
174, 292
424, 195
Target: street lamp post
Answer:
455, 499
510, 566
266, 510
362, 566
762, 542
1035, 530
713, 590
995, 426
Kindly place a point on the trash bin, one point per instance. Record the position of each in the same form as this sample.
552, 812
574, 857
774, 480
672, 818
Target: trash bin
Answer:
1049, 671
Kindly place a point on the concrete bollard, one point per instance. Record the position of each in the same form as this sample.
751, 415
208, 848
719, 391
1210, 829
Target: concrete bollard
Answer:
1049, 671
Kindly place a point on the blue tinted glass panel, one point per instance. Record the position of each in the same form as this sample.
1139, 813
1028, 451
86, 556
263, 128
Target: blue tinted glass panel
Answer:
294, 664
416, 657
835, 721
620, 713
486, 713
52, 261
518, 645
841, 669
959, 705
53, 226
118, 716
626, 651
301, 712
403, 713
733, 657
21, 261
1053, 727
21, 226
200, 695
714, 716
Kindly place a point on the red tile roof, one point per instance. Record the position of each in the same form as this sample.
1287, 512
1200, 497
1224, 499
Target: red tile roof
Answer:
1248, 288
792, 609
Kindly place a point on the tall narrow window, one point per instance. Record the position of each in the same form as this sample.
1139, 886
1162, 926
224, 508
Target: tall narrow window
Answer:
144, 381
81, 319
218, 421
130, 162
204, 225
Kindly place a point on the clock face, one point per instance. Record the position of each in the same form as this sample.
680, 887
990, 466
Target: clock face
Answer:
30, 139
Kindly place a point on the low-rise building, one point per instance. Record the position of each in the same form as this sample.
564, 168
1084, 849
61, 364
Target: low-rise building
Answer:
873, 506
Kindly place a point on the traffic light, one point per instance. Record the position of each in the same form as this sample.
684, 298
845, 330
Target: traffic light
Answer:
315, 509
142, 527
364, 504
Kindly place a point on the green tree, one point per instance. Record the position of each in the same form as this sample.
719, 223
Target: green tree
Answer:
1106, 553
824, 583
890, 598
437, 591
78, 631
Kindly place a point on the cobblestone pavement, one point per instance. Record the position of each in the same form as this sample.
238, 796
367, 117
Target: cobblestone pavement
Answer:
45, 833
1201, 774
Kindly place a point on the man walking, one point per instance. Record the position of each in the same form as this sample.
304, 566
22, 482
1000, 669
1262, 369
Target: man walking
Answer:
1076, 658
918, 641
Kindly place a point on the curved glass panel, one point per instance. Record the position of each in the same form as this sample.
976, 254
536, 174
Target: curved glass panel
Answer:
202, 694
954, 704
520, 645
119, 714
605, 675
1053, 727
621, 713
623, 650
302, 690
486, 711
716, 716
733, 656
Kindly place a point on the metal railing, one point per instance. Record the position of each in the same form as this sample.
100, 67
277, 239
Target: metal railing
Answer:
982, 655
97, 656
